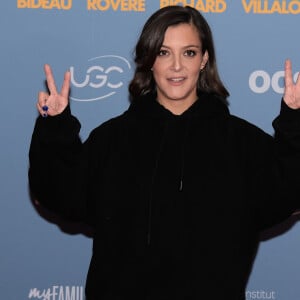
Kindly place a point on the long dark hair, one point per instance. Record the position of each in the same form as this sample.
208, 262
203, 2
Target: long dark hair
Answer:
151, 40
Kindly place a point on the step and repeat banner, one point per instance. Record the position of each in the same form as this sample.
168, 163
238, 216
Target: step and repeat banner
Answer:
43, 257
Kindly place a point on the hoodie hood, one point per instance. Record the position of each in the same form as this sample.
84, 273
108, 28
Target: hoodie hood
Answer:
207, 105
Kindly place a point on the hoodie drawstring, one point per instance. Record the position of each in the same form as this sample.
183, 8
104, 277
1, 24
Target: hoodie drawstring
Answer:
152, 183
183, 147
154, 173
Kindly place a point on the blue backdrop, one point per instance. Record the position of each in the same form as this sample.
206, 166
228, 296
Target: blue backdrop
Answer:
43, 258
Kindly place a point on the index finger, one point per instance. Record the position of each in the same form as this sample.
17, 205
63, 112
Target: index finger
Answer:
288, 73
50, 80
66, 85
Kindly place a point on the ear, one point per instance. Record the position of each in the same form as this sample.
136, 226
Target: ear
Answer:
204, 60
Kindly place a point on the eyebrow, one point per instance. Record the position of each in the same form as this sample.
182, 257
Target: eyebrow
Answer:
185, 47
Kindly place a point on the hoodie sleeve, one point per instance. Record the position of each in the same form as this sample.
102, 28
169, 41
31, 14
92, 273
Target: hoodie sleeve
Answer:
280, 183
59, 166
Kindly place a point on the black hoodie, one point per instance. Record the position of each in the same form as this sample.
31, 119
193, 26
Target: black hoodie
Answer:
177, 202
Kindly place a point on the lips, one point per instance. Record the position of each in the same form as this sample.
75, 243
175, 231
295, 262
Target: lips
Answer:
176, 80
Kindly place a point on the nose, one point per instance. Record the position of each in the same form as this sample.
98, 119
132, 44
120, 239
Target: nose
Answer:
176, 62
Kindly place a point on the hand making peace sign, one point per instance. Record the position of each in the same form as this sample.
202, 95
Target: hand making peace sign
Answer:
54, 103
292, 90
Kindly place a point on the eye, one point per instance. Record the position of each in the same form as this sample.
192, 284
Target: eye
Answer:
163, 52
190, 53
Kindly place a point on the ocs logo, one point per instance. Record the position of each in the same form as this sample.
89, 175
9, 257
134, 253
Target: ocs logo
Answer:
101, 77
260, 81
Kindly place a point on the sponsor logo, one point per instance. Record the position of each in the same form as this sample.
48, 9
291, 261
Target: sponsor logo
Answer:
271, 7
260, 295
120, 5
57, 292
214, 6
100, 78
261, 81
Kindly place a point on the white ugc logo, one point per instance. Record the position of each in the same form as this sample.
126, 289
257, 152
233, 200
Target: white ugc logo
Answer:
104, 76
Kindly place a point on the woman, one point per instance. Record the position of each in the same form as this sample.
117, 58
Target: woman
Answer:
176, 189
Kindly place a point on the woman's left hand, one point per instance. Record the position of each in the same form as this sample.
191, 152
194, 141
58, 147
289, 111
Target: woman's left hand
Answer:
291, 90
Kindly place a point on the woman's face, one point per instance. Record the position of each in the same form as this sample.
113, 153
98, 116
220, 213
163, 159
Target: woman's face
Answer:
177, 66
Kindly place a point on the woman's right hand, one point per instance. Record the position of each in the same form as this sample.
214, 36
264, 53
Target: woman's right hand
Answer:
54, 103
